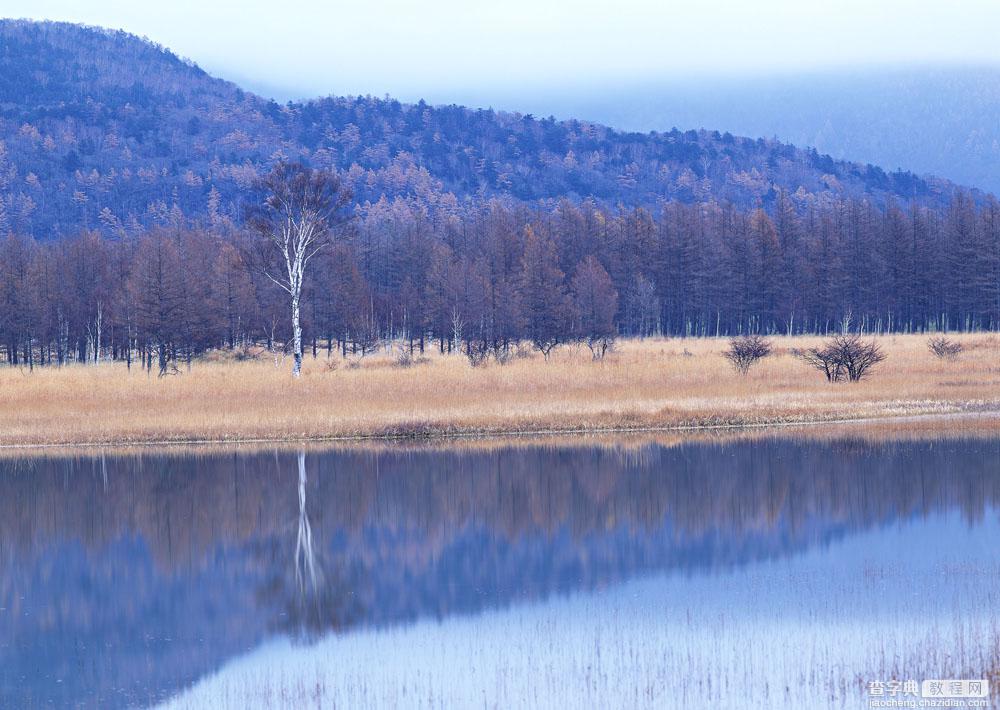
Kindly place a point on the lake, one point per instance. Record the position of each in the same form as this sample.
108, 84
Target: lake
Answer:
772, 571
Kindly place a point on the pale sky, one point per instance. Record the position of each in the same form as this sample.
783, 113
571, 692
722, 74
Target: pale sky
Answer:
436, 48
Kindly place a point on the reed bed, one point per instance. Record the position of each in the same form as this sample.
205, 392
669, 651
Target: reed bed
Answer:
810, 631
647, 384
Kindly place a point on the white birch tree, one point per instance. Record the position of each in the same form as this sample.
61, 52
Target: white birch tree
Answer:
298, 216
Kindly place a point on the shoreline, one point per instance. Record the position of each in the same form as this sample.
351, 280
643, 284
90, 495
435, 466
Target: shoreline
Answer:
431, 437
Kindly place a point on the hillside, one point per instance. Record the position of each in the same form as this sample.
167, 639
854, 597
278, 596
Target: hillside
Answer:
103, 129
934, 119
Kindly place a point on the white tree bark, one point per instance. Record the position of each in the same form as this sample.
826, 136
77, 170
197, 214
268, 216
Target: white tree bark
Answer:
296, 337
457, 324
98, 322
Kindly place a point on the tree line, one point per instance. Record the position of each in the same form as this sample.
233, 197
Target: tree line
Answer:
493, 276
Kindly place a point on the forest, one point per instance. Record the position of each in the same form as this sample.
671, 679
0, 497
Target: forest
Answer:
127, 174
107, 131
501, 275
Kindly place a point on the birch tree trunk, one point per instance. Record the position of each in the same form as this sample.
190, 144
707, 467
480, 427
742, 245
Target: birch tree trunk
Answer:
296, 336
98, 322
294, 251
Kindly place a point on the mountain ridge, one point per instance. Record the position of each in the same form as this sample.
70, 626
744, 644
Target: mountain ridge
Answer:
102, 129
934, 119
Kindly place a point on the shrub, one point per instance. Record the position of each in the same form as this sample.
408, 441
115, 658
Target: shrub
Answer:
844, 357
404, 358
245, 353
745, 350
478, 352
600, 345
944, 348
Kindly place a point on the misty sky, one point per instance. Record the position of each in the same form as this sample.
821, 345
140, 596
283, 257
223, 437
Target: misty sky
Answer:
448, 49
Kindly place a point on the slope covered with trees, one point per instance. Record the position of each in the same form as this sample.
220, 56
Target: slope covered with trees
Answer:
104, 130
928, 119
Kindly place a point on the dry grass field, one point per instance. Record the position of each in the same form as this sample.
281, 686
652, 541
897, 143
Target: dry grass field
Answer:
655, 383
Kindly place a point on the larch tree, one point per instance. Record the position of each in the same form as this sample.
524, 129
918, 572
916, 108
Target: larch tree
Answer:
157, 291
596, 304
440, 294
298, 214
545, 303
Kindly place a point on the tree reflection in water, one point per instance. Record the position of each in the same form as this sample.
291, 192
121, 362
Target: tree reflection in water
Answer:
173, 563
305, 558
314, 600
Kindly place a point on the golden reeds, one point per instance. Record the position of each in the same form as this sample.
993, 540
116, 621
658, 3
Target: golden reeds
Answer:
655, 383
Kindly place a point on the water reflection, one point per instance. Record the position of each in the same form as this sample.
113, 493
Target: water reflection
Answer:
305, 558
125, 579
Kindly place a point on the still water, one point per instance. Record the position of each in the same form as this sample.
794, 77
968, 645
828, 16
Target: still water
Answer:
766, 573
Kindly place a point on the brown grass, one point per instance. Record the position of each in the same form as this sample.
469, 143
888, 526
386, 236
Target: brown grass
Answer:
656, 383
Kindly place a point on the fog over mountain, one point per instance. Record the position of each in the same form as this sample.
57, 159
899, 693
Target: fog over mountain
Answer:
932, 119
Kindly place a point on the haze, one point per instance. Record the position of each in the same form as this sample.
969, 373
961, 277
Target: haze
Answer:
450, 51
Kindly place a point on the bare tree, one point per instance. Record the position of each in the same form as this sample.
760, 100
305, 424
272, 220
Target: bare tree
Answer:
457, 326
295, 220
745, 350
545, 303
365, 335
944, 348
94, 335
478, 352
844, 357
596, 303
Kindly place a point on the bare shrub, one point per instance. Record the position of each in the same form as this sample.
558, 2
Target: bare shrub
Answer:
845, 357
245, 353
600, 345
822, 359
944, 348
745, 350
478, 352
366, 339
503, 354
405, 358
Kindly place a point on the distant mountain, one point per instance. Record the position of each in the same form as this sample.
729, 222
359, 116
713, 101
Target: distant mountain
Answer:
102, 129
939, 120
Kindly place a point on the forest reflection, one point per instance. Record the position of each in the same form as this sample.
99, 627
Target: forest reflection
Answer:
170, 564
